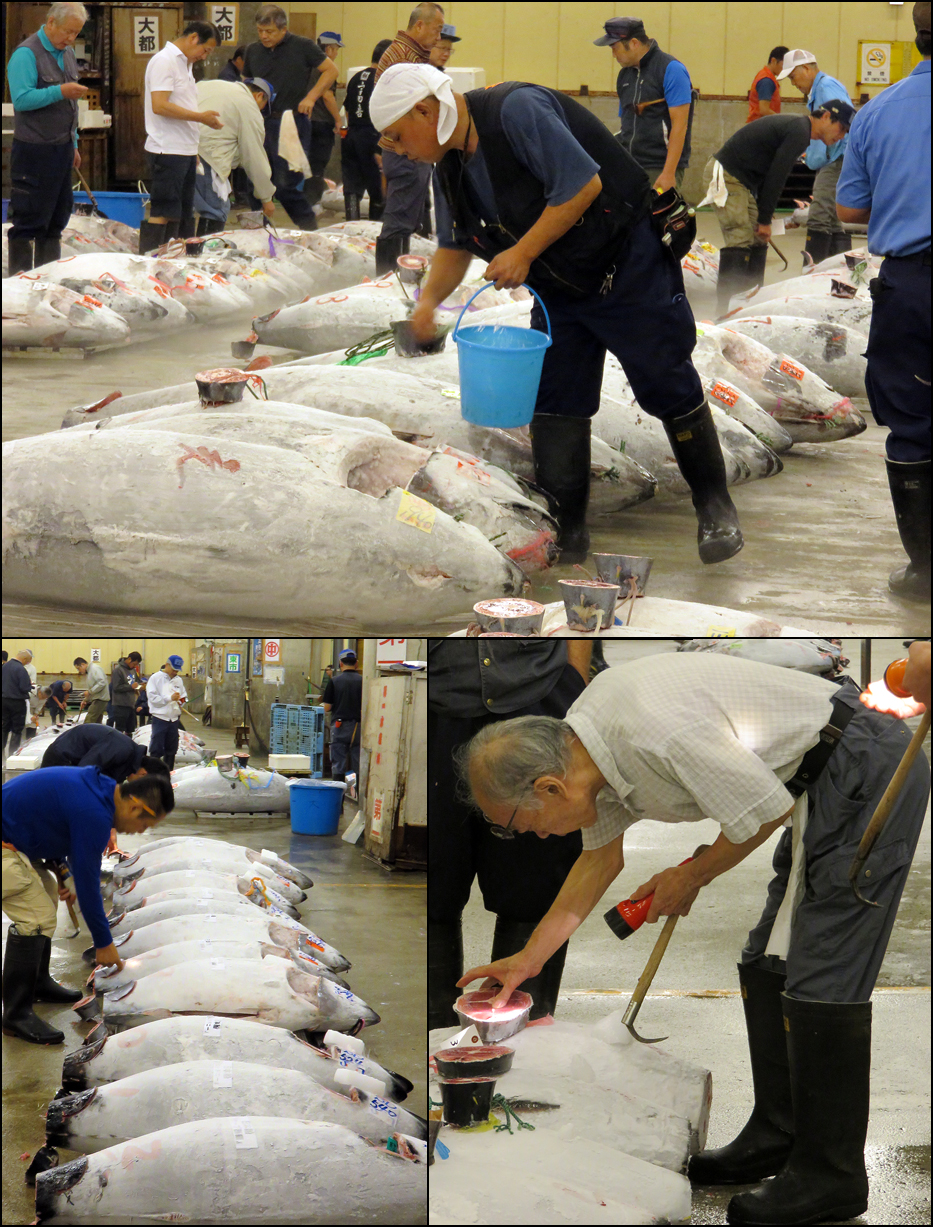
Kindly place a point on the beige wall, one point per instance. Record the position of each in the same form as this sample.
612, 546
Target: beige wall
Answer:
722, 44
57, 655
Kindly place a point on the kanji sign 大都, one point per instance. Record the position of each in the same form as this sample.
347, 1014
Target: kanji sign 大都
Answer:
225, 18
145, 33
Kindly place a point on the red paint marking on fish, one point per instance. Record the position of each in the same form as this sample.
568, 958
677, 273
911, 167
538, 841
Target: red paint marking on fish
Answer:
211, 458
132, 1153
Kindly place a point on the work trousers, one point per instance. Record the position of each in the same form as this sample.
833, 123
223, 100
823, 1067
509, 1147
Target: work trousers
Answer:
288, 182
823, 206
171, 194
319, 148
345, 749
30, 894
358, 166
54, 713
206, 201
897, 378
519, 878
644, 319
124, 719
14, 721
96, 710
407, 186
837, 944
653, 171
40, 189
163, 740
739, 215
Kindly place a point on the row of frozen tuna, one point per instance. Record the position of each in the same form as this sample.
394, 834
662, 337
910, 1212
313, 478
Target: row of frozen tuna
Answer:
191, 749
212, 1066
85, 234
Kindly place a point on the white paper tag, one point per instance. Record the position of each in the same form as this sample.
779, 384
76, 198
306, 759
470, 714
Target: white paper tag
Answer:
211, 916
223, 1073
777, 227
463, 1039
212, 1025
243, 1136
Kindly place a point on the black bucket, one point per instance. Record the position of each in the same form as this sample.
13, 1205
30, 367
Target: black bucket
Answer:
467, 1101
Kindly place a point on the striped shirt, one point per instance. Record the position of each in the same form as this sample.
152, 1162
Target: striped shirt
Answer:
683, 737
403, 51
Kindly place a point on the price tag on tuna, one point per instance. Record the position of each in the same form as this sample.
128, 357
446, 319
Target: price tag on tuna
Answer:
722, 392
223, 1073
243, 1136
792, 369
351, 1060
416, 512
721, 632
383, 1107
212, 1025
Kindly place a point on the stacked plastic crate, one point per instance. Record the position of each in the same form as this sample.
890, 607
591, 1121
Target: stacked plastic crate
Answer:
297, 729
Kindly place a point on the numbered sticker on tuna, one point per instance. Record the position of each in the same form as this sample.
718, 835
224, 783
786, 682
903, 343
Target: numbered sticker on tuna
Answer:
243, 1136
792, 369
723, 393
223, 1073
383, 1107
721, 632
212, 1025
351, 1060
416, 512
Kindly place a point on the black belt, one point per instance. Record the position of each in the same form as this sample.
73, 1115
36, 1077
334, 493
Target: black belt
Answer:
917, 257
818, 756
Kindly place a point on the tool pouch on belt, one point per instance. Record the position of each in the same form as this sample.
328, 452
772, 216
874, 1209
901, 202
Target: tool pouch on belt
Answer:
674, 220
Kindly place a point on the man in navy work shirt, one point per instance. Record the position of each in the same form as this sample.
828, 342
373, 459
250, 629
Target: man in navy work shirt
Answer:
360, 157
530, 181
17, 687
102, 746
886, 182
57, 702
61, 814
343, 695
655, 102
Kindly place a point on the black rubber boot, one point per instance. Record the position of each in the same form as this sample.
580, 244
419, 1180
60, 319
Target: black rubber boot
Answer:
20, 968
351, 207
560, 447
698, 454
209, 225
424, 228
376, 210
509, 937
48, 250
20, 256
387, 252
187, 227
765, 1141
757, 258
829, 1049
819, 246
48, 989
151, 236
841, 242
445, 967
910, 494
733, 275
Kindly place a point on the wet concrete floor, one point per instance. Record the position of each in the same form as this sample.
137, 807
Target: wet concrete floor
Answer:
372, 915
820, 536
694, 998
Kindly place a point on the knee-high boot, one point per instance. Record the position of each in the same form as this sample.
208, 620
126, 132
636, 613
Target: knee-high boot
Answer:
699, 456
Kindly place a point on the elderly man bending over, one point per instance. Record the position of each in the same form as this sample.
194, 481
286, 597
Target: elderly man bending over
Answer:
681, 738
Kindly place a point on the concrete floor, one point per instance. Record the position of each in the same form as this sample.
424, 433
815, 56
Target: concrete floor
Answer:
820, 537
694, 999
374, 916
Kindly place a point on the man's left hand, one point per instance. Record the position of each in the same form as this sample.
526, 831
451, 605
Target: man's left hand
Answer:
508, 269
306, 106
77, 160
66, 896
674, 892
664, 181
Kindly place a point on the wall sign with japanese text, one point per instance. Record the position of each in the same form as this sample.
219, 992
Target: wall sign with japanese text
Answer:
145, 33
273, 651
233, 662
95, 655
226, 18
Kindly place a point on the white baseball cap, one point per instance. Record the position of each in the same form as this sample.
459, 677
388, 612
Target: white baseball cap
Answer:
793, 59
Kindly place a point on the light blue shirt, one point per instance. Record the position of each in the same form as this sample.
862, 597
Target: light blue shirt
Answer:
677, 88
22, 74
887, 168
823, 88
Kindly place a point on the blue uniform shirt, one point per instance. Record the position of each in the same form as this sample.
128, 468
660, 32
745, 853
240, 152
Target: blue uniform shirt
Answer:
65, 813
825, 87
541, 140
23, 74
887, 168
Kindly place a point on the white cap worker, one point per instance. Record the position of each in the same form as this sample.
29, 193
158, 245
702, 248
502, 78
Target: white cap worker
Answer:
240, 142
754, 747
167, 693
826, 235
532, 182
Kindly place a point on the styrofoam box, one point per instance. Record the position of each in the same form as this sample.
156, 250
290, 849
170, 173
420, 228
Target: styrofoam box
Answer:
24, 762
289, 762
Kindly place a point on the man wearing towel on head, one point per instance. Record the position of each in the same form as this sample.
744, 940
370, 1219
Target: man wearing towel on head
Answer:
530, 181
166, 693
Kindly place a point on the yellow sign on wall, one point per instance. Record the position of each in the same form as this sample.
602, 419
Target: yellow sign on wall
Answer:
882, 63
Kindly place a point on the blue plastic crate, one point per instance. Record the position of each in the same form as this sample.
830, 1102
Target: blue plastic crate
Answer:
296, 729
127, 207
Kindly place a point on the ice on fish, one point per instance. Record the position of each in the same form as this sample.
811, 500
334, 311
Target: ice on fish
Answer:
38, 312
122, 921
832, 351
126, 284
203, 871
261, 895
191, 749
250, 1169
852, 312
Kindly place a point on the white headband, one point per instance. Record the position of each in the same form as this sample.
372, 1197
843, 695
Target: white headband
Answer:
402, 85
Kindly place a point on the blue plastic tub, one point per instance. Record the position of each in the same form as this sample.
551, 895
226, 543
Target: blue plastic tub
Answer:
500, 369
315, 806
119, 206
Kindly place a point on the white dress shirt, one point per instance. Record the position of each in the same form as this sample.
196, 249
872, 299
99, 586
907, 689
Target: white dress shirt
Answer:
169, 69
687, 736
159, 690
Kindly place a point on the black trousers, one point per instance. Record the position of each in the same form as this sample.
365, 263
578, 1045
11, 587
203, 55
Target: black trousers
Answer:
897, 378
520, 878
14, 720
124, 719
40, 189
358, 164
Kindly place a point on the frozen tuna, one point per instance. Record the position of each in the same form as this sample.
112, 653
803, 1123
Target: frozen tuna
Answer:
200, 844
852, 312
256, 892
832, 351
213, 874
228, 904
38, 312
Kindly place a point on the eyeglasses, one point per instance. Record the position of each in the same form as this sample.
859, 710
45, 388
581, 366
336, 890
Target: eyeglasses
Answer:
504, 832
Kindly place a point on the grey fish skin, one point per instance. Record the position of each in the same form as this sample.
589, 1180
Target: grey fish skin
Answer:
195, 878
243, 888
106, 1058
835, 352
126, 922
283, 868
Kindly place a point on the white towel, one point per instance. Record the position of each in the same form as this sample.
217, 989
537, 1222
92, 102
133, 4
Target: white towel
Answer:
779, 941
290, 147
717, 193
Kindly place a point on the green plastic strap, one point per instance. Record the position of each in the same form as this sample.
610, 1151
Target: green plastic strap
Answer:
500, 1101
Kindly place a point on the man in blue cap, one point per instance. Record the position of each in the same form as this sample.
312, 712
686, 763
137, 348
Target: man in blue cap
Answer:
444, 47
655, 102
238, 145
343, 697
886, 182
166, 693
325, 116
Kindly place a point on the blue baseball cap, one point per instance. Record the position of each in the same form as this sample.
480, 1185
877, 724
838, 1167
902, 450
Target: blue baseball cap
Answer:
347, 656
263, 85
330, 37
176, 662
450, 33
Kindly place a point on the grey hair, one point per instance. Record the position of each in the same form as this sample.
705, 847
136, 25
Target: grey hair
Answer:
24, 652
511, 754
58, 14
271, 15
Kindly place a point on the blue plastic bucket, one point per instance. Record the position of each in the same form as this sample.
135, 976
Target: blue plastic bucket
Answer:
500, 369
315, 806
119, 206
